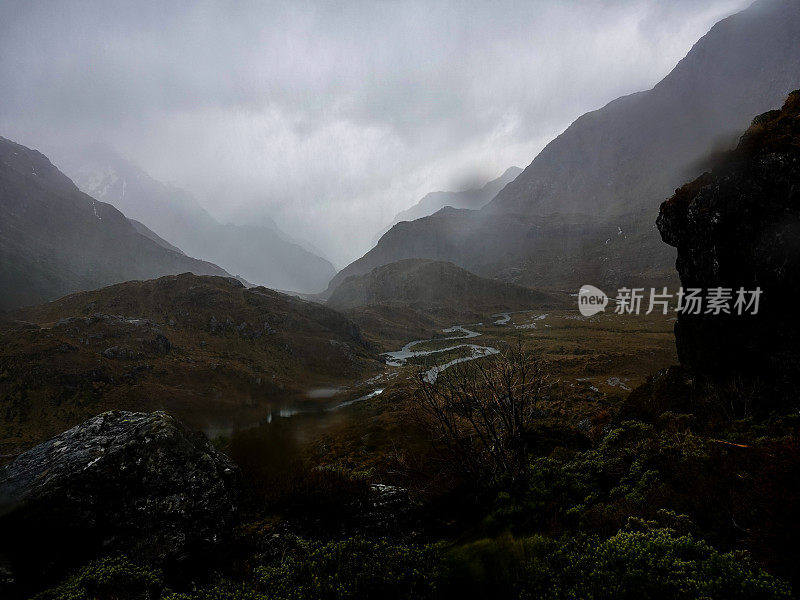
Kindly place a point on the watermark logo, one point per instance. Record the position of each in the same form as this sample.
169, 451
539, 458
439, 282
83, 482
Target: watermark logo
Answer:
591, 300
692, 301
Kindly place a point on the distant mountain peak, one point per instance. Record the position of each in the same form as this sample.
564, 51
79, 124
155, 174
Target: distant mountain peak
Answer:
261, 253
472, 198
555, 224
54, 239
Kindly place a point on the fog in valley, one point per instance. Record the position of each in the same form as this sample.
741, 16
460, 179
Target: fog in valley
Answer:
410, 300
322, 120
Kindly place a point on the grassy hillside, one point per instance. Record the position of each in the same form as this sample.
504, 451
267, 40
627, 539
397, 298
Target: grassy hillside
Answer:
205, 348
413, 298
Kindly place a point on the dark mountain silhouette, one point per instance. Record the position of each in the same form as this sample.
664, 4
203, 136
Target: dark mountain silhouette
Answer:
54, 239
261, 254
149, 233
584, 209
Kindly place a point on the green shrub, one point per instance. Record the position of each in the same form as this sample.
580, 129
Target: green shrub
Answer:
352, 568
492, 567
224, 590
636, 565
644, 566
635, 471
109, 579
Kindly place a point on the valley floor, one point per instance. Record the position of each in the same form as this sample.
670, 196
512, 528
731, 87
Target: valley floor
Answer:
349, 496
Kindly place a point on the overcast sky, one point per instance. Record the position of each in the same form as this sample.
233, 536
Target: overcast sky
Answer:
329, 117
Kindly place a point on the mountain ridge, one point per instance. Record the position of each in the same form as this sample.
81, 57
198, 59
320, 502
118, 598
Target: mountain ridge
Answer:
54, 239
261, 254
433, 285
472, 198
415, 298
603, 178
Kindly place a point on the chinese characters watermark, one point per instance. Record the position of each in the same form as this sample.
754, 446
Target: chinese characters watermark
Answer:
691, 301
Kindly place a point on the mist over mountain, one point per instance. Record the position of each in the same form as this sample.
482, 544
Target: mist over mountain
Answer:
445, 418
149, 233
260, 253
639, 147
415, 298
584, 209
54, 239
472, 198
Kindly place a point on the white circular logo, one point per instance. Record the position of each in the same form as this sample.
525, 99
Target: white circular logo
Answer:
591, 300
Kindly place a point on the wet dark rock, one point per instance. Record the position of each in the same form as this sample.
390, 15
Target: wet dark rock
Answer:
138, 483
160, 344
119, 353
380, 511
739, 227
386, 502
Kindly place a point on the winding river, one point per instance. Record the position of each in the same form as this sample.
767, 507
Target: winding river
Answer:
400, 357
376, 385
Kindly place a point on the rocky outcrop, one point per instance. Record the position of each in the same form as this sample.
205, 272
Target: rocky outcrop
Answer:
739, 227
138, 483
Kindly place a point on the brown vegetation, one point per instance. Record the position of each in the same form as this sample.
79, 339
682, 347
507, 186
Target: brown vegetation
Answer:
481, 412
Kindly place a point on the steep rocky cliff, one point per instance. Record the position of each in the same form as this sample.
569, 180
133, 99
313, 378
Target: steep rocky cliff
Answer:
739, 227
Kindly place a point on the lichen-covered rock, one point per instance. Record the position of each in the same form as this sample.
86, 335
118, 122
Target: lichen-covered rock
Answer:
739, 227
141, 484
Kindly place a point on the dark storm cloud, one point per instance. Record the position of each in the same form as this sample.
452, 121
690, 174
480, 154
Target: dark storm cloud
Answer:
329, 116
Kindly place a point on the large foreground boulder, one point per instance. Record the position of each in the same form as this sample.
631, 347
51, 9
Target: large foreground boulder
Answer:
739, 227
140, 484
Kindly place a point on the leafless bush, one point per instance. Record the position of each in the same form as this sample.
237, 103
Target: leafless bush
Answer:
734, 397
480, 412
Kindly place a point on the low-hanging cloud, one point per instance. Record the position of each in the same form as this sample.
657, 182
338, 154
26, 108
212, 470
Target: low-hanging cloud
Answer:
329, 117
